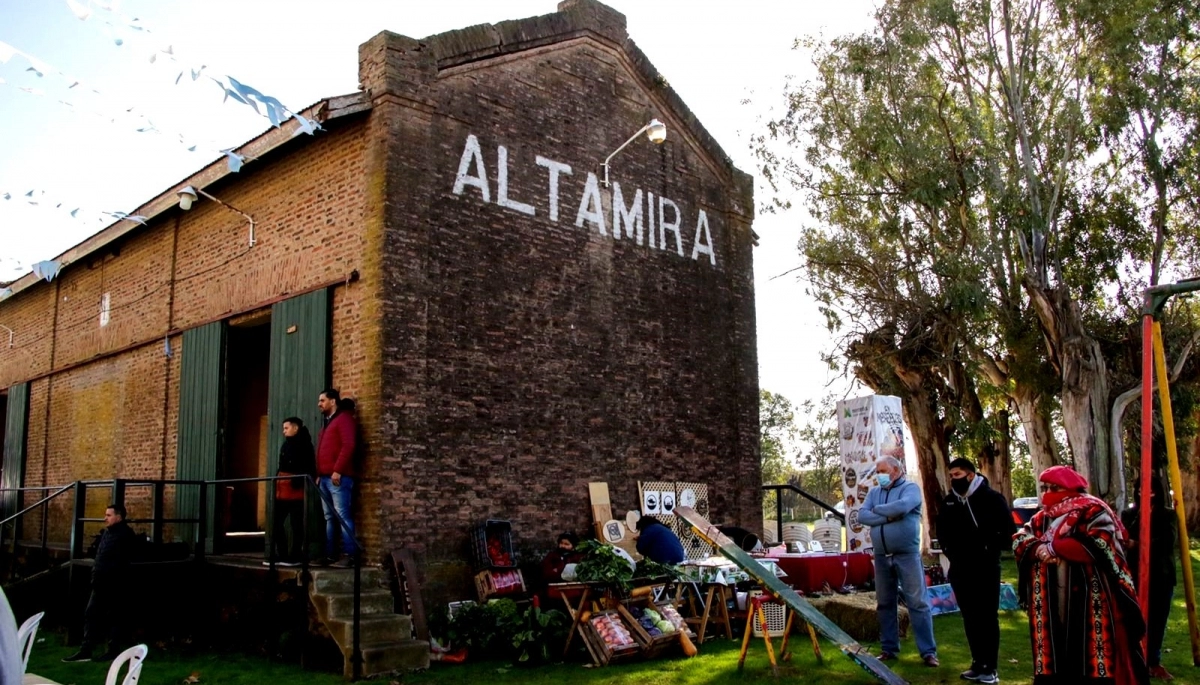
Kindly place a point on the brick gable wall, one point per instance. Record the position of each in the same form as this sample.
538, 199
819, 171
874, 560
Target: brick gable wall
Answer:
525, 356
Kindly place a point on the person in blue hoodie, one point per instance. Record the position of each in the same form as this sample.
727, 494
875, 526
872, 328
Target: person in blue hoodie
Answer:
658, 543
893, 511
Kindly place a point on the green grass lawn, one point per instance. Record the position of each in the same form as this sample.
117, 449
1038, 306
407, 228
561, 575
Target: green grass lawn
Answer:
717, 662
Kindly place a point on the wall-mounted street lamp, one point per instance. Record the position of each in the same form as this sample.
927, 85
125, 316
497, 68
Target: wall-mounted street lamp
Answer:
188, 195
656, 131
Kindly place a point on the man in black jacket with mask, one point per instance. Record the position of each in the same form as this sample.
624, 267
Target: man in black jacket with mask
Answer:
974, 526
110, 581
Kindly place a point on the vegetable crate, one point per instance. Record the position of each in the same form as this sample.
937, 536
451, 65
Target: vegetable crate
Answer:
650, 635
610, 639
491, 544
490, 584
776, 614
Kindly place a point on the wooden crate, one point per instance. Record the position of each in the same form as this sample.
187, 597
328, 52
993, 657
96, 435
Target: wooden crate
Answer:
603, 653
499, 583
652, 647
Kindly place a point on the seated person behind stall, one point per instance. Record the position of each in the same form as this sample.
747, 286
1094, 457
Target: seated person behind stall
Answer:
557, 559
658, 543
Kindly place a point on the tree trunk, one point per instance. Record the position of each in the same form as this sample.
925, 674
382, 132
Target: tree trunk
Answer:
1084, 375
995, 460
1036, 425
933, 449
1086, 412
879, 365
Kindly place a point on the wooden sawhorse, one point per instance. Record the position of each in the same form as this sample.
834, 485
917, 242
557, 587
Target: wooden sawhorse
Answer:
713, 592
755, 606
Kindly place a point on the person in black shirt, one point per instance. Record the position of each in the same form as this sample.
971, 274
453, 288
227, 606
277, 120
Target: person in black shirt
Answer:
1164, 531
296, 457
974, 525
105, 612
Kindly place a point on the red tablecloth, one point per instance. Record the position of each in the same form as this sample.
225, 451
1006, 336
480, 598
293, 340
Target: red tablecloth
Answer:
809, 574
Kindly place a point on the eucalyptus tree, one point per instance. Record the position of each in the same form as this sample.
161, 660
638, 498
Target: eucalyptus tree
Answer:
971, 219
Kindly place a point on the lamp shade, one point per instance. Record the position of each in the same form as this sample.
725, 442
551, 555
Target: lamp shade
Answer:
186, 197
656, 131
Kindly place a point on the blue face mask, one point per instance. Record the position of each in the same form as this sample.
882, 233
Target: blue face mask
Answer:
883, 479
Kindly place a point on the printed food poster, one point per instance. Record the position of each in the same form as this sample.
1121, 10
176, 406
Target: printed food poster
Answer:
687, 498
868, 428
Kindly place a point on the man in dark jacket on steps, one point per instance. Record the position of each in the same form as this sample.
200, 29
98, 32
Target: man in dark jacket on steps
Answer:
110, 589
975, 524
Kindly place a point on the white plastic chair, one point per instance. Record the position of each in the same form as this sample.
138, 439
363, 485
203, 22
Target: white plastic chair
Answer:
769, 532
797, 532
25, 635
134, 656
829, 533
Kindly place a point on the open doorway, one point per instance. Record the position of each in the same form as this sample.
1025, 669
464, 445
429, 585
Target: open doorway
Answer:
248, 353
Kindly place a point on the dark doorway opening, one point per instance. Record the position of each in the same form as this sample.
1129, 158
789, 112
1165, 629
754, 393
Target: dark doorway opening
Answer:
244, 510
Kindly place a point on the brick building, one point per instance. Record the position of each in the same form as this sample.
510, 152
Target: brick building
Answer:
446, 252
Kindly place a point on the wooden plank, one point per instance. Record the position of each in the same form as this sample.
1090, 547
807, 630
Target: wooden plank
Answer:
785, 594
411, 581
601, 507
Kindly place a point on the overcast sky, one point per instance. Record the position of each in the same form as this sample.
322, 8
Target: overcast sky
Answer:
727, 60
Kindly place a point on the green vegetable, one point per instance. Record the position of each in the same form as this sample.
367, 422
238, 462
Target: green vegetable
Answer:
603, 565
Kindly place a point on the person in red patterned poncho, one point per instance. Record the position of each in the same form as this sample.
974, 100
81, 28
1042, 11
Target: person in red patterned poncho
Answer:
1084, 619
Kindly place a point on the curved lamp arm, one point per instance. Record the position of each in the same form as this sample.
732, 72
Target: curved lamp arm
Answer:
656, 131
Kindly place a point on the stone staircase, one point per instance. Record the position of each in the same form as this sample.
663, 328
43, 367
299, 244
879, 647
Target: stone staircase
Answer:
386, 638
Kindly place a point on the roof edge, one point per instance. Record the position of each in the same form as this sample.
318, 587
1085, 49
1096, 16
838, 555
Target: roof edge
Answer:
575, 18
273, 138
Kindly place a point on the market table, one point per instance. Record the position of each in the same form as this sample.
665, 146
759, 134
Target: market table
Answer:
810, 572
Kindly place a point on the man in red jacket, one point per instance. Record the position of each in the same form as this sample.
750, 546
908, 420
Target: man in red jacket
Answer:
336, 472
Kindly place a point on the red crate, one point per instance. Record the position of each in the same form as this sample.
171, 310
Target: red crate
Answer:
491, 544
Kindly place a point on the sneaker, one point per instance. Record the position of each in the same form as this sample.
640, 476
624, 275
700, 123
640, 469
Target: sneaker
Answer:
886, 656
288, 564
78, 657
1160, 673
344, 562
987, 678
931, 660
971, 673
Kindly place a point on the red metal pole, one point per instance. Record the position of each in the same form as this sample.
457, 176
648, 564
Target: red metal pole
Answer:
1143, 546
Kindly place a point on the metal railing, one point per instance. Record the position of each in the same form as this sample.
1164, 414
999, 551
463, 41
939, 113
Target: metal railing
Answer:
79, 490
779, 488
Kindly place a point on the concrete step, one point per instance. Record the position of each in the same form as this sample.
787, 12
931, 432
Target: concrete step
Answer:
408, 655
373, 628
341, 605
342, 580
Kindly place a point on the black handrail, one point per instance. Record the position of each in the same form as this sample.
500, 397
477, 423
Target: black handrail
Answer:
37, 504
779, 488
200, 538
44, 502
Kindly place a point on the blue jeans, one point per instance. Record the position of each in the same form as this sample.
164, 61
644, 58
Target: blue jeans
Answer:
340, 496
907, 571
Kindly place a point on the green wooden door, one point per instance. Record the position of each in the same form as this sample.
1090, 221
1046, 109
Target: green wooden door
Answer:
300, 363
15, 423
201, 386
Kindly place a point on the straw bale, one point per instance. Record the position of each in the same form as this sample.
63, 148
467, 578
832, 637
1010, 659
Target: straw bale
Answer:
855, 613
